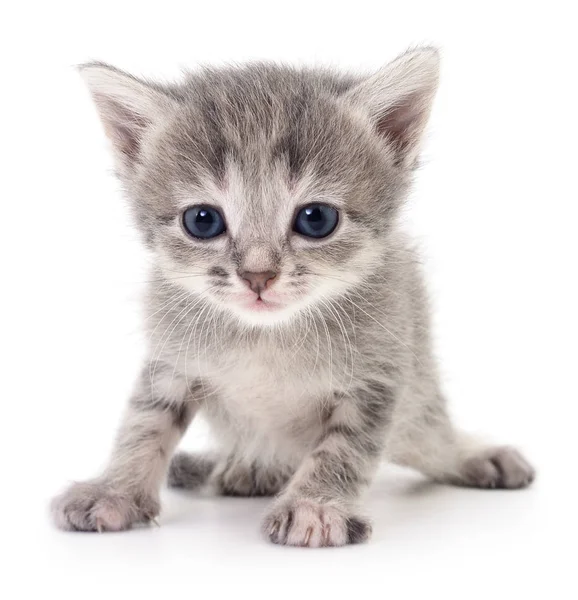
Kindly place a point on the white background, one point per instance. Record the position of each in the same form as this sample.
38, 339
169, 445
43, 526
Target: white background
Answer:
495, 208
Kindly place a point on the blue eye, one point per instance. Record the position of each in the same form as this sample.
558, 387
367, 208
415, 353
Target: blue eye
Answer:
316, 220
203, 222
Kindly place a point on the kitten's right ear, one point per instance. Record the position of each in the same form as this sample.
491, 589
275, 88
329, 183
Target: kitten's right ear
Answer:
127, 107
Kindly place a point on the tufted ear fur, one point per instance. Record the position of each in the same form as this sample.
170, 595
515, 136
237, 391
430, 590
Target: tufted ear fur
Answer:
398, 100
127, 107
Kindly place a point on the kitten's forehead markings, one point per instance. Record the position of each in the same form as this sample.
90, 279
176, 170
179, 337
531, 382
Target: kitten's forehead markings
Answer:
206, 191
252, 203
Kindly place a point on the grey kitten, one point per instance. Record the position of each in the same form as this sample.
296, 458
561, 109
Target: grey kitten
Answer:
285, 305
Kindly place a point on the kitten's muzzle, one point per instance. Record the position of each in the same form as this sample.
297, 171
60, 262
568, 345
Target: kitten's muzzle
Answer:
258, 282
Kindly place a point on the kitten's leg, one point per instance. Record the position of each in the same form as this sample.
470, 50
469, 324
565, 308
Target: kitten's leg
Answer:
319, 504
429, 443
230, 476
128, 490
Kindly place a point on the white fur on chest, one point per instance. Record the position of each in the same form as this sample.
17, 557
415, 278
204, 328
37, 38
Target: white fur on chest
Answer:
271, 403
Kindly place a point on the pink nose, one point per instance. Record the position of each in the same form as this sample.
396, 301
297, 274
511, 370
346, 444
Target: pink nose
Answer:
258, 281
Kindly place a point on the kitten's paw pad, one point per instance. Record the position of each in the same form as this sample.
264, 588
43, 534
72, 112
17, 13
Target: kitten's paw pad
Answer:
96, 506
501, 467
313, 525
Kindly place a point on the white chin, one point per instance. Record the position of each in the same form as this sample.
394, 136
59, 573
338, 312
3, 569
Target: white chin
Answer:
263, 318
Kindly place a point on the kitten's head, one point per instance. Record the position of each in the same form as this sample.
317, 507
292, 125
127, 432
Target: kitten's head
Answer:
265, 189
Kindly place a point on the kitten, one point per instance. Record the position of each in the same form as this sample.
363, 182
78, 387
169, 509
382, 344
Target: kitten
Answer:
285, 305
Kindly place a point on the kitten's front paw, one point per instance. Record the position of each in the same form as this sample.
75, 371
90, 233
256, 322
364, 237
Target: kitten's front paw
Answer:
97, 506
300, 522
500, 467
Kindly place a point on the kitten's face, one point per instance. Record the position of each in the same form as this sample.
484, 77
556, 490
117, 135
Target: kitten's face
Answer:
264, 190
265, 246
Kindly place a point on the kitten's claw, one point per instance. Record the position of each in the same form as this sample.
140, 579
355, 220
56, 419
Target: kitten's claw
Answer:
312, 525
308, 536
274, 530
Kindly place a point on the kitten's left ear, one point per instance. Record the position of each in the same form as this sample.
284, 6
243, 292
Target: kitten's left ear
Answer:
398, 99
127, 106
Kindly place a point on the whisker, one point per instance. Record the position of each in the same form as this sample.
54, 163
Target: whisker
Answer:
178, 296
384, 328
166, 335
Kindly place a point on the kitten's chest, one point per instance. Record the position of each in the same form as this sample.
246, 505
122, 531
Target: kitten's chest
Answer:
277, 390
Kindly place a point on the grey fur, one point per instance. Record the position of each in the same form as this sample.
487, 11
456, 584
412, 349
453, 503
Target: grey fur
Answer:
236, 478
305, 399
190, 471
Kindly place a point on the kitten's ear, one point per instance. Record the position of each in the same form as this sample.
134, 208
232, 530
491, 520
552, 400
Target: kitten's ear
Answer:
398, 99
127, 107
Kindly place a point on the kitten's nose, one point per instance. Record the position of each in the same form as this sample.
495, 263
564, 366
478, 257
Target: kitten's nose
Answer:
258, 281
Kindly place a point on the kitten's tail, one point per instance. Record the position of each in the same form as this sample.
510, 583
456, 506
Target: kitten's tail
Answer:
190, 471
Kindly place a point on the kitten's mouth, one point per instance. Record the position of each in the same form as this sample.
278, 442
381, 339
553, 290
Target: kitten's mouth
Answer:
259, 304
